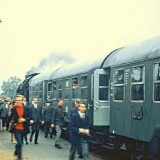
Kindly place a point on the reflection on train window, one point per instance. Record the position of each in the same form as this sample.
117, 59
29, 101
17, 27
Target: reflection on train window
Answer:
119, 85
66, 94
54, 85
138, 74
66, 83
59, 93
103, 94
60, 84
74, 83
137, 83
118, 92
49, 86
156, 82
137, 92
83, 81
118, 76
103, 87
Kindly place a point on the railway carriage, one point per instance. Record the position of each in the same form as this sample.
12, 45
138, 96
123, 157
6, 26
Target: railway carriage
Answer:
134, 94
122, 91
80, 80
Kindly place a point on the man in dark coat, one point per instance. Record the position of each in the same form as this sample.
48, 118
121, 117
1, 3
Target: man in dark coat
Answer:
4, 109
57, 121
46, 117
20, 125
36, 119
154, 148
72, 112
79, 135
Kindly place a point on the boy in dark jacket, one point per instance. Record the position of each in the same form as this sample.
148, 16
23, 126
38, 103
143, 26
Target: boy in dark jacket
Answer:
79, 135
46, 118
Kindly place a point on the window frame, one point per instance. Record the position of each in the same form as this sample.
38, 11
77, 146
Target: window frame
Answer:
137, 83
119, 85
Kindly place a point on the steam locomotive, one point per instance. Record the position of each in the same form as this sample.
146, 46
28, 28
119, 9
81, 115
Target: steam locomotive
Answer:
122, 91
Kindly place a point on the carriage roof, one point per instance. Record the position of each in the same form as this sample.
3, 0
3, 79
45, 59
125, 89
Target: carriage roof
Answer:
68, 70
134, 53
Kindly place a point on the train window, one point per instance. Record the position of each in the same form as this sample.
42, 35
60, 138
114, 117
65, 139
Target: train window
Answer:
53, 95
103, 80
74, 88
84, 90
74, 83
157, 82
137, 74
40, 86
59, 93
103, 87
49, 96
49, 86
60, 84
84, 93
83, 81
36, 87
137, 92
119, 85
118, 92
54, 86
66, 83
40, 94
66, 94
137, 83
103, 94
118, 76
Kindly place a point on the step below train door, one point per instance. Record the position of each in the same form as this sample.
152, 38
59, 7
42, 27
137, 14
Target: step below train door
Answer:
101, 110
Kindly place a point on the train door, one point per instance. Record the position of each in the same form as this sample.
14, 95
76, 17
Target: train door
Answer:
101, 110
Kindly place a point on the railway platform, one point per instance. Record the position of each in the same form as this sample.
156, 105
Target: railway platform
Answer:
45, 150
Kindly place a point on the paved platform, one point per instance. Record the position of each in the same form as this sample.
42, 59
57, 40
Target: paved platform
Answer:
45, 150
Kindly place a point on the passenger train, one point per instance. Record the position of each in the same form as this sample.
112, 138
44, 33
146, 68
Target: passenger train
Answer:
122, 91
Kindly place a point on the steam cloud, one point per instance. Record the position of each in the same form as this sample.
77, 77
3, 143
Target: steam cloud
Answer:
52, 62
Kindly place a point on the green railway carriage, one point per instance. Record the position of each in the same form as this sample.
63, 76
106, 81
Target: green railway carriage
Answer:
80, 80
135, 91
122, 91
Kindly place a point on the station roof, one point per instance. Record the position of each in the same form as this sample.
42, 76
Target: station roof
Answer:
138, 52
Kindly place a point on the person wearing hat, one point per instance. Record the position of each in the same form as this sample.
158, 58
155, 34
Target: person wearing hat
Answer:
46, 118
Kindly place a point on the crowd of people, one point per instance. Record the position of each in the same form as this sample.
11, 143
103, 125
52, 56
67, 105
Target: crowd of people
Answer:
21, 118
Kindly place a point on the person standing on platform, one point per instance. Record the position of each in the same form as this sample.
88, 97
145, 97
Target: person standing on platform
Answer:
72, 112
57, 121
79, 135
4, 110
20, 124
46, 118
36, 119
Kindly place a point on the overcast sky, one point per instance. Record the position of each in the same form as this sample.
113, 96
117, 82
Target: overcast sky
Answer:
31, 30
